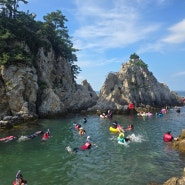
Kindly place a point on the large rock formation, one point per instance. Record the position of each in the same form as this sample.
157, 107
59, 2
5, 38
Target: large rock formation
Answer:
179, 142
176, 180
45, 90
134, 83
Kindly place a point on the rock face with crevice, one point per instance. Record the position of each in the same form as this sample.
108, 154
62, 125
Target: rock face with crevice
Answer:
48, 89
134, 83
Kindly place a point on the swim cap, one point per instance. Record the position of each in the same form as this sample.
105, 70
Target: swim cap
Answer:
88, 137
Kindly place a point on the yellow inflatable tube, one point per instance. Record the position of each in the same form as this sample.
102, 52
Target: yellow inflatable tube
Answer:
115, 130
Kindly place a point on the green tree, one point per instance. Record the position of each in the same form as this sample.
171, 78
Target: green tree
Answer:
19, 30
134, 56
57, 34
9, 8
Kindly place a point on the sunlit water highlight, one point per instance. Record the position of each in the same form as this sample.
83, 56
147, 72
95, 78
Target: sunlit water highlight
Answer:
143, 160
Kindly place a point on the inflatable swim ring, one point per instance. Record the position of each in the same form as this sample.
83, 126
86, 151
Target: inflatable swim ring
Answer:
115, 130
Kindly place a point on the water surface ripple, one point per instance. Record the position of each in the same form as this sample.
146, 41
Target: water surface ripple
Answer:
146, 159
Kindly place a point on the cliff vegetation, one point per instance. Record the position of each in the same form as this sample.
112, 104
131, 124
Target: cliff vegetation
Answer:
37, 67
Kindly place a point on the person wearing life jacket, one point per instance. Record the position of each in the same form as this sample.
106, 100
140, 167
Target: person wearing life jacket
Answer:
46, 135
9, 138
19, 179
86, 146
122, 138
164, 111
117, 126
129, 127
76, 126
131, 106
168, 137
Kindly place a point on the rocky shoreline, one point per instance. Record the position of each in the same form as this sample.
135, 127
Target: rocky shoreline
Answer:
29, 92
177, 144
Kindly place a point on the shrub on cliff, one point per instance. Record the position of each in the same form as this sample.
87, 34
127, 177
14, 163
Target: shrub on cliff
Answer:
21, 36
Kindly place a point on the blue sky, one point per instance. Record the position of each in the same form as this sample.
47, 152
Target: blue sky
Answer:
107, 32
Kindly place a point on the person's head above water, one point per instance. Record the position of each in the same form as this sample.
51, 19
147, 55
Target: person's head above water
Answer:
115, 123
121, 135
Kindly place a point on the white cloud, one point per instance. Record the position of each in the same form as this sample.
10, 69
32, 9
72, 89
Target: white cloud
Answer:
98, 63
112, 26
182, 73
176, 36
177, 33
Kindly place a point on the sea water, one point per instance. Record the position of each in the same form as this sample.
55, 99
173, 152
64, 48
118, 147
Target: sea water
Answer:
145, 159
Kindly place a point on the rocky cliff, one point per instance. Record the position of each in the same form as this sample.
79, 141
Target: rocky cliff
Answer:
134, 83
46, 89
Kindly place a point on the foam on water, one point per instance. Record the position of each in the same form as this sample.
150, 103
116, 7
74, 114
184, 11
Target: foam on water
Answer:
136, 138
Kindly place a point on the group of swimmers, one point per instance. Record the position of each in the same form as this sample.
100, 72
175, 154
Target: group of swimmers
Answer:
108, 115
87, 145
122, 138
115, 127
19, 180
79, 128
149, 114
45, 136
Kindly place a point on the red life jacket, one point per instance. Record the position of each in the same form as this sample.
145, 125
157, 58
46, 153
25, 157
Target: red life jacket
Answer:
86, 146
45, 136
167, 137
22, 181
77, 127
131, 106
7, 138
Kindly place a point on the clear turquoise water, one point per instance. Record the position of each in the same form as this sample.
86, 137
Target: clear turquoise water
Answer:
144, 160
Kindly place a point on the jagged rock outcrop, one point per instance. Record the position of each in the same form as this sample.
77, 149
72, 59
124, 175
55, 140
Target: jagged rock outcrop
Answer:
134, 83
176, 180
179, 142
48, 89
60, 93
